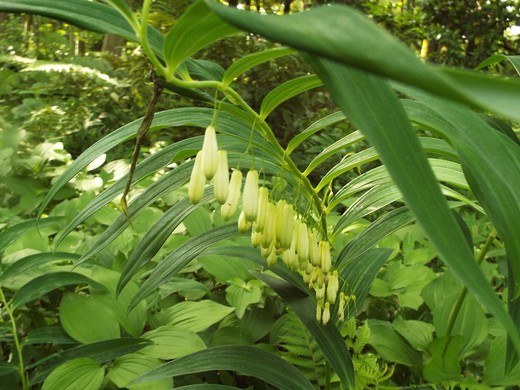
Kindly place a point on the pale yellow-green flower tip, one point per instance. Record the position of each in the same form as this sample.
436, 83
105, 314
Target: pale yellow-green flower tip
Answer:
250, 197
221, 178
325, 258
210, 153
325, 317
230, 206
263, 202
197, 181
243, 224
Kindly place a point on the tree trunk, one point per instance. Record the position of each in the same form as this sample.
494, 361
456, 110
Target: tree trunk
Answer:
113, 44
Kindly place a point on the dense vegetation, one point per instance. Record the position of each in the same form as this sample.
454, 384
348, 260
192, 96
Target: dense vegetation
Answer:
333, 213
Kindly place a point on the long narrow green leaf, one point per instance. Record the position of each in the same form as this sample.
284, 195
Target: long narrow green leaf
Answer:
33, 262
244, 359
154, 239
249, 61
514, 60
489, 159
195, 29
286, 91
315, 127
358, 274
373, 107
156, 161
327, 336
43, 284
10, 234
345, 35
169, 182
430, 145
178, 259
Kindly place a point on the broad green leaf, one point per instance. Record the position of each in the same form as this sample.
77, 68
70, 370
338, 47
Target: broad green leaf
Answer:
444, 363
177, 260
328, 337
171, 342
243, 64
132, 322
128, 367
471, 322
82, 373
246, 360
43, 284
286, 91
418, 333
11, 233
344, 35
101, 352
495, 366
197, 28
315, 127
32, 262
391, 346
88, 319
240, 294
196, 316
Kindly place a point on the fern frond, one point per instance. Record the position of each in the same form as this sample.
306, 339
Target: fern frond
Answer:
295, 345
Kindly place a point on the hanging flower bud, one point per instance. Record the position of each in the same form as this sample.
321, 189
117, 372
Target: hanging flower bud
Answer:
261, 216
209, 152
265, 251
333, 287
197, 181
325, 259
221, 179
250, 197
288, 226
320, 292
243, 224
270, 226
289, 259
319, 307
271, 259
303, 241
314, 252
341, 307
325, 317
280, 205
230, 206
256, 238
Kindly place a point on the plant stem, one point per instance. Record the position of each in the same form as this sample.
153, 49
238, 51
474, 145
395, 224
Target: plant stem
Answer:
145, 44
17, 345
458, 305
268, 133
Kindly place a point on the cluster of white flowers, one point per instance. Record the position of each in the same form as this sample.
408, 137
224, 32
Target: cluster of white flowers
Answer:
275, 227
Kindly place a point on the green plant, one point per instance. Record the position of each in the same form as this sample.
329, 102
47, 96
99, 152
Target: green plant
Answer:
471, 159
